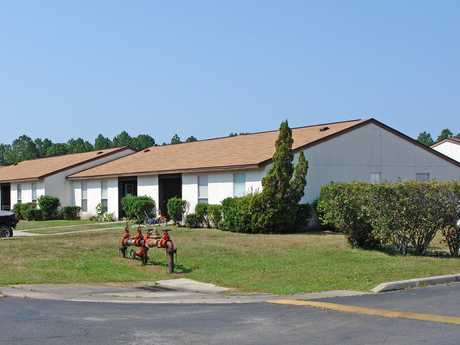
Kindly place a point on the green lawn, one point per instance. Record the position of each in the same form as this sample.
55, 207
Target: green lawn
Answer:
72, 228
25, 225
282, 264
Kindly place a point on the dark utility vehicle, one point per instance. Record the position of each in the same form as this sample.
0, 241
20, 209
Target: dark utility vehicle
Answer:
8, 222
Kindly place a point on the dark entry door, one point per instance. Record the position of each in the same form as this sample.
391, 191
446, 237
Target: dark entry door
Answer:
5, 196
126, 185
169, 186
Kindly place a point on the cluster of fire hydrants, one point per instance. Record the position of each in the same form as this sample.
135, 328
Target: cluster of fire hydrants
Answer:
152, 239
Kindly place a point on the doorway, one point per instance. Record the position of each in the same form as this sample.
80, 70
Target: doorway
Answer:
126, 185
169, 186
5, 196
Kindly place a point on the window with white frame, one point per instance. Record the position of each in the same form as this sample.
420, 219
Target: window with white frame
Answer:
376, 177
84, 196
104, 197
239, 184
202, 189
19, 193
75, 187
34, 192
422, 176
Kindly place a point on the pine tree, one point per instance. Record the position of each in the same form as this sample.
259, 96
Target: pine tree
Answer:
445, 133
425, 138
275, 208
299, 181
101, 143
175, 139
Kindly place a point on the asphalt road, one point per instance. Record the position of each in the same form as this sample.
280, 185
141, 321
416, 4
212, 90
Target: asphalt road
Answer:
26, 321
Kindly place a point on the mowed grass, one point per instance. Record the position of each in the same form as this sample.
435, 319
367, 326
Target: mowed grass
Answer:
73, 228
281, 264
26, 225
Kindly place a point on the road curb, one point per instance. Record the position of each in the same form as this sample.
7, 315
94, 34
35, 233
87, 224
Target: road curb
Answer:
418, 282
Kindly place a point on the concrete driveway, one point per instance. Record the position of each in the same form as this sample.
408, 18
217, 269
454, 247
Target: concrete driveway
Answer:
28, 321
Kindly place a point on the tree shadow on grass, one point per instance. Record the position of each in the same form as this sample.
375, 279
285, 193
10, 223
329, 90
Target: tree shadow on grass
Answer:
431, 253
178, 267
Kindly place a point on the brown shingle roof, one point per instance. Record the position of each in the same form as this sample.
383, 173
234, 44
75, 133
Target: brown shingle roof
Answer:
35, 169
454, 140
238, 152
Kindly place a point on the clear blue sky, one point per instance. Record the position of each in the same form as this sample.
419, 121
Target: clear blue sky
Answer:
205, 68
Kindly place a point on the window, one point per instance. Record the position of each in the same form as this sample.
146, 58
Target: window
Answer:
422, 176
104, 198
19, 193
202, 189
376, 177
75, 187
34, 192
84, 196
239, 184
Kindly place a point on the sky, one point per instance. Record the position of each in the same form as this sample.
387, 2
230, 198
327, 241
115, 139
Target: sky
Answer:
208, 68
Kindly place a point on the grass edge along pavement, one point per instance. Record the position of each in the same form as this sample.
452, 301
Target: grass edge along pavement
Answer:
279, 264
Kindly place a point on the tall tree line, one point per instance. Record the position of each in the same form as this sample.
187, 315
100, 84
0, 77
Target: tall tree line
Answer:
426, 138
24, 147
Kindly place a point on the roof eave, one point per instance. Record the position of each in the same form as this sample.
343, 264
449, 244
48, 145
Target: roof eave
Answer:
162, 172
21, 180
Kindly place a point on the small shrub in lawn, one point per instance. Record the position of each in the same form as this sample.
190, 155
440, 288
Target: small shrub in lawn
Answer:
201, 211
137, 208
33, 214
176, 209
192, 221
49, 206
70, 212
215, 215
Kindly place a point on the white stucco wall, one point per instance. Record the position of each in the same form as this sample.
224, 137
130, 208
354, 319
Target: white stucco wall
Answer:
94, 196
220, 186
354, 156
112, 197
148, 186
190, 191
26, 194
57, 185
450, 149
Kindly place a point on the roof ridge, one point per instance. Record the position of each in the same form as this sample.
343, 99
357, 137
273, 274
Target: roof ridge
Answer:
253, 133
67, 154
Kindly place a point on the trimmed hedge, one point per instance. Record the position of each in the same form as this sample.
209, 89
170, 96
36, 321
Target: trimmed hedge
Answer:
215, 215
201, 211
344, 207
70, 212
176, 209
49, 206
33, 214
22, 210
192, 221
137, 208
237, 215
403, 216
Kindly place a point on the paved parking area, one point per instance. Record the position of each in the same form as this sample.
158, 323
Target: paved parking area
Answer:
27, 321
